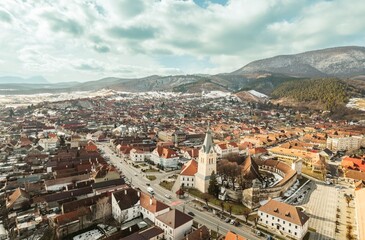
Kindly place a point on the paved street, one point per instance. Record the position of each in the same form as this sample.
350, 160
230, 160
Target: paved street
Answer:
202, 217
321, 206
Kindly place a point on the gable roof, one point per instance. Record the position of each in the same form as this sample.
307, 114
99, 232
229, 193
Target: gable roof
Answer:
18, 193
127, 198
151, 204
174, 218
201, 233
233, 236
284, 211
190, 168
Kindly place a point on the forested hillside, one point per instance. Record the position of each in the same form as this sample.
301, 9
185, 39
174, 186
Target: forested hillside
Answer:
330, 93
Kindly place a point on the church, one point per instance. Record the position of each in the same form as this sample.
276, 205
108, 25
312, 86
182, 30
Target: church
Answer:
197, 173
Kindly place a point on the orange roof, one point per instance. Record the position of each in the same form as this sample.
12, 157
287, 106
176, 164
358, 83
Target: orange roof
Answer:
353, 163
151, 204
232, 236
190, 168
284, 211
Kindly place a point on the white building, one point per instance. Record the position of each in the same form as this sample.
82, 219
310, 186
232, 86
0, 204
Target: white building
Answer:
283, 218
165, 157
187, 174
151, 208
345, 143
175, 224
137, 155
125, 205
207, 163
48, 143
224, 149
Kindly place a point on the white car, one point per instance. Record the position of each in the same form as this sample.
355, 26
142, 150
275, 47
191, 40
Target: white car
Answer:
167, 196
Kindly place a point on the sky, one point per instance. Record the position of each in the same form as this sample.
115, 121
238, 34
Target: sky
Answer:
81, 40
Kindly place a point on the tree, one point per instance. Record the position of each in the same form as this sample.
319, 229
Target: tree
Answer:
213, 188
230, 209
222, 205
11, 112
246, 213
206, 198
103, 208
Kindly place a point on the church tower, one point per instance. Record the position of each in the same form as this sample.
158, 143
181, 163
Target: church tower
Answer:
207, 163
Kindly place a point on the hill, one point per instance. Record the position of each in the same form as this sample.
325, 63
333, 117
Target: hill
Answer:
340, 62
31, 80
327, 93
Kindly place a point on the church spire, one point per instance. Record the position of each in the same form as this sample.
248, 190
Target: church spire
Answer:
208, 141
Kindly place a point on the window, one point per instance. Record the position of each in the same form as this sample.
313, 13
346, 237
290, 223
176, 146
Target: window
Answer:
283, 229
266, 222
296, 227
272, 218
289, 231
283, 222
289, 224
278, 220
261, 214
272, 224
295, 233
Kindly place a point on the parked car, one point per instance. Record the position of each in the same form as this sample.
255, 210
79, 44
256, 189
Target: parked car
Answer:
191, 214
237, 223
167, 196
227, 220
232, 221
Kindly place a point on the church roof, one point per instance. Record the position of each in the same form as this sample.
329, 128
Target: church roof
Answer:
208, 142
250, 169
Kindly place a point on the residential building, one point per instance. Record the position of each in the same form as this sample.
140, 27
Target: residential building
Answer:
345, 143
125, 205
175, 224
165, 157
284, 218
152, 208
138, 155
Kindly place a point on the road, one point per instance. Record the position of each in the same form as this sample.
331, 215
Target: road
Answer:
202, 217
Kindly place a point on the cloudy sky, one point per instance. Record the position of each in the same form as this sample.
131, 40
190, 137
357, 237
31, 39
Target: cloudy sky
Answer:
79, 40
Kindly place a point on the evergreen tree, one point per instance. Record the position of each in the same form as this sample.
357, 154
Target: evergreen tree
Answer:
213, 188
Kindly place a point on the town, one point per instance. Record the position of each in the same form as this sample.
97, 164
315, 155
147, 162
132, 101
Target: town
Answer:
178, 166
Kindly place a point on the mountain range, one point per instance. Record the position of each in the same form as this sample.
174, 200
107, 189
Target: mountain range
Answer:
347, 63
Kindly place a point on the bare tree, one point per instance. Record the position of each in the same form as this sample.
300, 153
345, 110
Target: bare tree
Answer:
103, 208
246, 213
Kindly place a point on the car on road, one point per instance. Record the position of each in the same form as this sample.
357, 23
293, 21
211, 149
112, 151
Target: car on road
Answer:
147, 184
135, 174
227, 220
167, 196
232, 222
191, 214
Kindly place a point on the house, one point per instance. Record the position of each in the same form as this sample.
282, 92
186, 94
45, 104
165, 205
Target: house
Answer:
233, 236
151, 207
187, 174
49, 143
225, 149
18, 199
126, 205
175, 224
138, 155
165, 157
284, 218
153, 233
201, 233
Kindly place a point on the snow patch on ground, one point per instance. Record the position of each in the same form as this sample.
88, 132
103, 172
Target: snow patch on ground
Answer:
258, 94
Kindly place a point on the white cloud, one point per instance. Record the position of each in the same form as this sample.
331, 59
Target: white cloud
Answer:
84, 40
